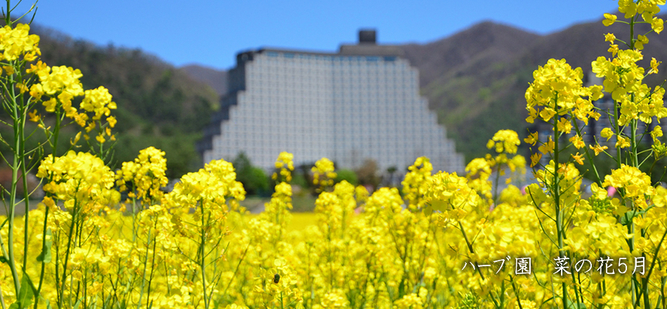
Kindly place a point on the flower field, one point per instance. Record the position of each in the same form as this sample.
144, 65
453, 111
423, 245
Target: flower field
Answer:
112, 239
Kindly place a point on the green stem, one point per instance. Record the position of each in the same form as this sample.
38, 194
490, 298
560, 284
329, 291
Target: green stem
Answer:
61, 288
587, 153
495, 189
202, 256
43, 266
26, 204
8, 18
502, 295
2, 300
56, 132
518, 300
618, 135
556, 193
24, 171
476, 264
645, 280
465, 237
633, 149
633, 142
143, 276
16, 165
576, 291
662, 292
134, 218
237, 268
150, 279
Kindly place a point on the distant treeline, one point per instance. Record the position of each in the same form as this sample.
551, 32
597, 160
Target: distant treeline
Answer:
158, 105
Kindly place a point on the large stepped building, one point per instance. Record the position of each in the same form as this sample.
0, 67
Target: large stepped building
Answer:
360, 103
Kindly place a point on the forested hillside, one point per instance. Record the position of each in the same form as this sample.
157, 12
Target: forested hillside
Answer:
476, 80
158, 105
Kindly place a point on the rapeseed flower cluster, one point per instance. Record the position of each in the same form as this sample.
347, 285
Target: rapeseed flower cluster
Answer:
323, 173
144, 176
415, 184
58, 86
79, 180
16, 42
285, 165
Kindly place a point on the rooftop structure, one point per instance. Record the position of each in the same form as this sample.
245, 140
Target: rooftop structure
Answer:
360, 103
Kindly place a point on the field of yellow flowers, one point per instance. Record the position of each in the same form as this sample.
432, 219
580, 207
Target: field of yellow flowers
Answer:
443, 241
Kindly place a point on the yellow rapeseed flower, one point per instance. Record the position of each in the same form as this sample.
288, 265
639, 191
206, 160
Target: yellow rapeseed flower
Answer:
610, 37
547, 147
33, 116
286, 166
145, 175
578, 158
577, 141
641, 40
8, 69
654, 66
657, 24
623, 142
609, 19
564, 125
532, 138
504, 141
17, 41
637, 185
655, 133
80, 177
323, 172
598, 149
417, 180
607, 133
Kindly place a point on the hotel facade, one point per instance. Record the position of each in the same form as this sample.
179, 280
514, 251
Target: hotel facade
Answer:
360, 103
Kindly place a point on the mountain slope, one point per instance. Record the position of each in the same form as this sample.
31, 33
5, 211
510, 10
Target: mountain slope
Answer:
217, 79
483, 89
467, 76
158, 105
483, 43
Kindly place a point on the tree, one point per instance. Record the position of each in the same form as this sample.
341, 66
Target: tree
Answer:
253, 178
390, 171
367, 173
347, 175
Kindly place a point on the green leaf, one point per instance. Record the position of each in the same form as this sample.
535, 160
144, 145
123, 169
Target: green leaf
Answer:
46, 301
14, 306
45, 256
627, 217
571, 304
27, 292
4, 222
536, 194
3, 259
78, 302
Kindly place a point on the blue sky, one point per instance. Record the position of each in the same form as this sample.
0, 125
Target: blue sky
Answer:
211, 32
